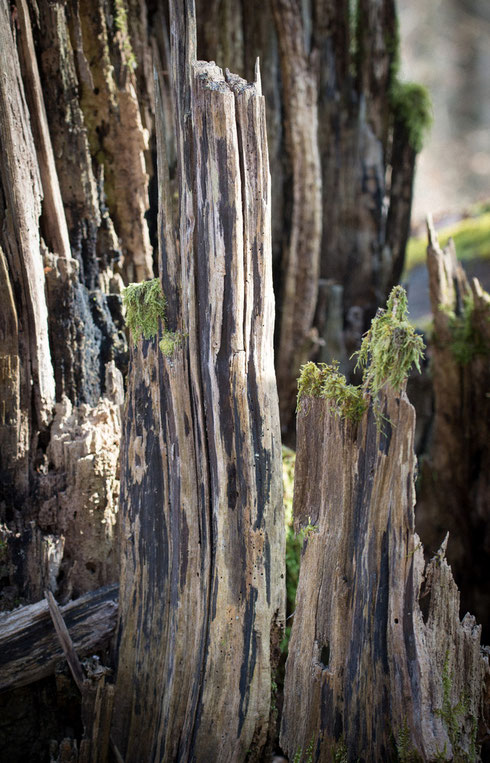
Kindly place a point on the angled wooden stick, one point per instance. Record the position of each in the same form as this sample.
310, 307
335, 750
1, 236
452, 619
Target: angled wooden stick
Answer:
65, 640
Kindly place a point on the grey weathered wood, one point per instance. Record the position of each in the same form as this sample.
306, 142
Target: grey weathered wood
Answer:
455, 483
202, 522
65, 640
29, 645
377, 638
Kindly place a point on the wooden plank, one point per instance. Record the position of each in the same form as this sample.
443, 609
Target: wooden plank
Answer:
29, 646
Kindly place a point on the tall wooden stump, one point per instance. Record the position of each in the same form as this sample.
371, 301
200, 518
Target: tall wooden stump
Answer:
380, 666
202, 587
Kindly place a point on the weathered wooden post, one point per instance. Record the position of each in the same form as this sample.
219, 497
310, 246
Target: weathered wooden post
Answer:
202, 588
379, 662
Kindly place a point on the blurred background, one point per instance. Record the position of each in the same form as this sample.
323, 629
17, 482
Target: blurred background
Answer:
445, 45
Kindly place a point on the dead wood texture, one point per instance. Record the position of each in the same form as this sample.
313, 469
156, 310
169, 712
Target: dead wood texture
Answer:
30, 647
75, 121
455, 482
202, 587
380, 666
341, 159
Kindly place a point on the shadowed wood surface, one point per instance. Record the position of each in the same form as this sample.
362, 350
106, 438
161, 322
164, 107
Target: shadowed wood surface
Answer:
378, 653
202, 587
29, 645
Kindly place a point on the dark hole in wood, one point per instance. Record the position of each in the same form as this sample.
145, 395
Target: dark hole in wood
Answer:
325, 655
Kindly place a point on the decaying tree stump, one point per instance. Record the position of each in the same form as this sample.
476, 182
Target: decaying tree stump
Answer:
455, 475
202, 587
74, 140
379, 662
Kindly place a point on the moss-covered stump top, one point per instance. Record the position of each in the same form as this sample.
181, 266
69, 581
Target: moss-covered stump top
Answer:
388, 351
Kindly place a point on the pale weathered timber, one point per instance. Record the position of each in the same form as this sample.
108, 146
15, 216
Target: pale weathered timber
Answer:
29, 645
379, 664
455, 481
202, 591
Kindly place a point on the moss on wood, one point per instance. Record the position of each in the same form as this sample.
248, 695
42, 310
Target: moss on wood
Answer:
388, 351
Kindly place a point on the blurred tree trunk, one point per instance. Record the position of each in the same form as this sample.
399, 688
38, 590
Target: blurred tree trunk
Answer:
342, 164
455, 474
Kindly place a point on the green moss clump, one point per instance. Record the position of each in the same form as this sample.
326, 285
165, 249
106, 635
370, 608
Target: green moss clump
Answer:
169, 343
388, 351
145, 308
466, 342
390, 347
411, 105
326, 381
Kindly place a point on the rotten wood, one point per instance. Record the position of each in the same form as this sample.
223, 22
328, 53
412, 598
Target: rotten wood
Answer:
201, 602
65, 640
29, 646
379, 663
455, 479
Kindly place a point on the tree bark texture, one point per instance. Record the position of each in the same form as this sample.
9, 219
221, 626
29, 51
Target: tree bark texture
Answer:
342, 165
75, 120
202, 587
455, 480
379, 662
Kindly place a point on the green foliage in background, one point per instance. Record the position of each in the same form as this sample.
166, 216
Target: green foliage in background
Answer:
466, 341
471, 237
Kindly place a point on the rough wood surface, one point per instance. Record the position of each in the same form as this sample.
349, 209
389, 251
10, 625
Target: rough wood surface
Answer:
378, 656
29, 645
202, 520
455, 483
